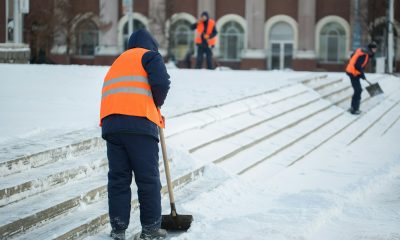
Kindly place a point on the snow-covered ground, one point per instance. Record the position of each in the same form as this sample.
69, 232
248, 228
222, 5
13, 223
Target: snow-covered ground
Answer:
58, 99
344, 189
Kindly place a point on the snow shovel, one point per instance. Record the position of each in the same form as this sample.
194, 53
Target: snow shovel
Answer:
173, 221
373, 89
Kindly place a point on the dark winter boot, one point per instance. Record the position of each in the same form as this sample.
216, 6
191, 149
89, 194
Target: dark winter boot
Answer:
117, 234
354, 112
152, 235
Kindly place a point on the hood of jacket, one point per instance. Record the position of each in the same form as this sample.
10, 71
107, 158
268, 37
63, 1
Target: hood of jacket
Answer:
142, 39
205, 14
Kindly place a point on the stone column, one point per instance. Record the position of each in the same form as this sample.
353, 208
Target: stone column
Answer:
108, 38
255, 17
206, 5
306, 38
157, 19
254, 52
305, 57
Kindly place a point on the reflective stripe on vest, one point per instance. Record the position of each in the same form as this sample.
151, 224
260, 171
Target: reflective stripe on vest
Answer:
352, 62
200, 30
126, 89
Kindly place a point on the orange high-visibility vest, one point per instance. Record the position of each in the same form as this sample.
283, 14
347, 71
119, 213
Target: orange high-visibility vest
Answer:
351, 65
200, 29
126, 89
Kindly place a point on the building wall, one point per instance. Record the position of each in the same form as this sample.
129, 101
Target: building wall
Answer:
186, 6
341, 8
80, 6
140, 6
330, 7
224, 7
259, 64
277, 7
2, 21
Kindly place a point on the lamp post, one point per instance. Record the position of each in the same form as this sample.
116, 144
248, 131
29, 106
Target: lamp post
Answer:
357, 25
17, 22
390, 36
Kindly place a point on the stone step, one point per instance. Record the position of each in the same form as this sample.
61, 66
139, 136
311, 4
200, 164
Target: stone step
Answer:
271, 164
219, 130
374, 116
44, 207
313, 78
329, 82
228, 147
34, 181
269, 148
341, 133
218, 113
179, 123
88, 219
29, 161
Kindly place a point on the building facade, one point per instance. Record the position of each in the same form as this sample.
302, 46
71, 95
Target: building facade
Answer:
253, 34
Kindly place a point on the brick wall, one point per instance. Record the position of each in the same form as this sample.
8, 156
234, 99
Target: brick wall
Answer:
339, 8
80, 6
224, 7
2, 21
277, 7
187, 6
140, 6
253, 64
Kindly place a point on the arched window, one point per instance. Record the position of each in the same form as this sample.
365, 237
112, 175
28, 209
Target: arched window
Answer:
181, 39
232, 36
332, 43
137, 24
87, 38
281, 40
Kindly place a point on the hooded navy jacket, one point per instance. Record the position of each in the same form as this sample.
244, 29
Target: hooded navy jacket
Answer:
213, 33
158, 77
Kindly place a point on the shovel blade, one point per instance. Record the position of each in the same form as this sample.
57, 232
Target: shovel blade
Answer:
374, 89
176, 223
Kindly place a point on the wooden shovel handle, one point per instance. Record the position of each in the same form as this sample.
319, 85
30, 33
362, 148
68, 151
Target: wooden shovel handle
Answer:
166, 167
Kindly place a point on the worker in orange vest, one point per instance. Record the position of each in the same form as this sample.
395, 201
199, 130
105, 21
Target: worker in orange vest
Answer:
205, 39
134, 89
355, 70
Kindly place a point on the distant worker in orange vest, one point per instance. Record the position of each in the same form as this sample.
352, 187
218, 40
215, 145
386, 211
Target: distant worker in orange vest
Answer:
205, 39
134, 89
355, 70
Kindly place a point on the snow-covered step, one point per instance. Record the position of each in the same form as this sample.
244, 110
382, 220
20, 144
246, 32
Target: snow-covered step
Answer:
392, 124
11, 165
270, 147
315, 140
328, 92
178, 124
21, 185
345, 102
230, 146
372, 117
13, 161
313, 78
325, 83
85, 220
35, 210
235, 125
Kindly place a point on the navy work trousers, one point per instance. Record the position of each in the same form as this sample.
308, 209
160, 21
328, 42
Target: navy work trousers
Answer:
135, 153
201, 50
355, 100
